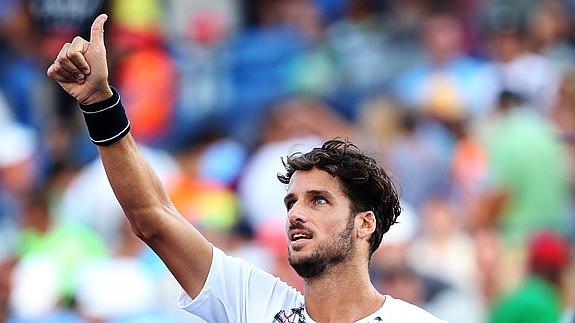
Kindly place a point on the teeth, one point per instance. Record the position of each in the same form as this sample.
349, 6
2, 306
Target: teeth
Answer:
299, 236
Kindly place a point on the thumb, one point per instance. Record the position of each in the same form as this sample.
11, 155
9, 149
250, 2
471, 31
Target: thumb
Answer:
97, 31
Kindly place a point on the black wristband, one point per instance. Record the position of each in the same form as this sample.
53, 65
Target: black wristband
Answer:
106, 120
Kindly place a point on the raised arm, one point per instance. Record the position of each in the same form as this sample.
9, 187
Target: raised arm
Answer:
81, 69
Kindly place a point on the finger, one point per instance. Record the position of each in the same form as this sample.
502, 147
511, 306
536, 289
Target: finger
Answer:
61, 79
75, 53
65, 63
97, 32
57, 72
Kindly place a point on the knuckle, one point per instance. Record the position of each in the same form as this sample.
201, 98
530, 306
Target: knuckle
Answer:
62, 51
73, 54
63, 63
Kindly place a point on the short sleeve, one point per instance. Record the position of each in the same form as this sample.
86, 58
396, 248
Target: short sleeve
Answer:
235, 291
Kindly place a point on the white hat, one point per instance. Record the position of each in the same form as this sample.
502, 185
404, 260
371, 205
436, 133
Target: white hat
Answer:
17, 143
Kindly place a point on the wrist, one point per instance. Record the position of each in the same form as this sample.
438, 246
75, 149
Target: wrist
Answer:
106, 120
98, 96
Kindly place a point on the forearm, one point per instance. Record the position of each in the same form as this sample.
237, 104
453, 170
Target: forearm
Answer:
136, 186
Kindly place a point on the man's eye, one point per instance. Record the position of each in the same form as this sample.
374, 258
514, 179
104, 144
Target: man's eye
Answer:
289, 205
319, 200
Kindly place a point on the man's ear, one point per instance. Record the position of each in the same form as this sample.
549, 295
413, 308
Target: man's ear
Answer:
365, 223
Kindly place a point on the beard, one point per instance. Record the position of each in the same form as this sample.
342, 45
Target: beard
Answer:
327, 254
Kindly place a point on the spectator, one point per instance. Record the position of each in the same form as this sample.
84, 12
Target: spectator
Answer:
539, 297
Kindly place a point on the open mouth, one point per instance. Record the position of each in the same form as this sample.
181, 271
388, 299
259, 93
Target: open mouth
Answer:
298, 235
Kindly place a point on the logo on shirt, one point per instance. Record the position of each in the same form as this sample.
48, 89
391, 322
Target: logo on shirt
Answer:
295, 315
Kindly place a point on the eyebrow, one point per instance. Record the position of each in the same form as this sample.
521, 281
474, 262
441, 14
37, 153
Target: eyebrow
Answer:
291, 196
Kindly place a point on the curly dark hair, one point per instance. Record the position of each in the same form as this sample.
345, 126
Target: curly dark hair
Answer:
367, 185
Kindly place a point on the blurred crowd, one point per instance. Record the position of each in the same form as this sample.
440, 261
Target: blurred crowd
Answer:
470, 104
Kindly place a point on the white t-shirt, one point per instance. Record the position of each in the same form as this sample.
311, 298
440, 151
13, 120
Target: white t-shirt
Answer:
238, 292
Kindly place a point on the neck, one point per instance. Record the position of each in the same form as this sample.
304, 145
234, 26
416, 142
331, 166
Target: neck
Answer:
346, 286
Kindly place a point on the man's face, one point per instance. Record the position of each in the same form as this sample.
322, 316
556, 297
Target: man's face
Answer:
319, 229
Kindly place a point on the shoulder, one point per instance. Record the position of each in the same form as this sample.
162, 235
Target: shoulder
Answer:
236, 291
397, 310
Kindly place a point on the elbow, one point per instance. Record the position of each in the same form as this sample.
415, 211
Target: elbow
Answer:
149, 225
143, 235
144, 232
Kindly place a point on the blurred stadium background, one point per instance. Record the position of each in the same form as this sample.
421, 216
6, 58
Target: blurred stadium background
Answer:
470, 104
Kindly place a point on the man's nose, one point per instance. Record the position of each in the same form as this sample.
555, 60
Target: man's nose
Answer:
296, 213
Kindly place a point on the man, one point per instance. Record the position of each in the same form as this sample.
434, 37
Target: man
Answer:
339, 204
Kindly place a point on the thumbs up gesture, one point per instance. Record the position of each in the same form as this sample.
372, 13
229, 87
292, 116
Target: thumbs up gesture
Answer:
81, 68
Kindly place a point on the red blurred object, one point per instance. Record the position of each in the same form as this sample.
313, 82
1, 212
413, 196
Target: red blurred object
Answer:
206, 27
126, 39
271, 234
147, 80
549, 249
